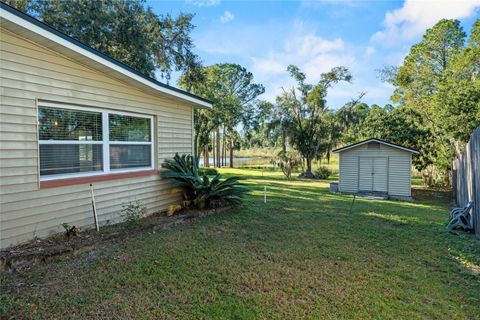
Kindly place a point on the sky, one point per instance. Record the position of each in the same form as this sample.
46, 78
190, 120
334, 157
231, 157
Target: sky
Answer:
267, 36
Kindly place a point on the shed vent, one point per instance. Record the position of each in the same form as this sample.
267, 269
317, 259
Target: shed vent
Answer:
373, 145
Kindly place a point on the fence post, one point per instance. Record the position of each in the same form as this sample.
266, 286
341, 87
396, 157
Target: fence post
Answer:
475, 164
466, 178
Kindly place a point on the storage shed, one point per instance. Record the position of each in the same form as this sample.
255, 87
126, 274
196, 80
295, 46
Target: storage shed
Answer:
376, 166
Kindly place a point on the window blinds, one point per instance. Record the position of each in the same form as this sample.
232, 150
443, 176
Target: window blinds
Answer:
77, 142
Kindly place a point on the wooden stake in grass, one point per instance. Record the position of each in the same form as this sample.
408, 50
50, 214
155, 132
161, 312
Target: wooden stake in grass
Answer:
353, 202
265, 194
94, 208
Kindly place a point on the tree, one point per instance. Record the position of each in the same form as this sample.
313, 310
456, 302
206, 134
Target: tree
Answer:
305, 107
126, 30
350, 118
439, 80
231, 89
458, 98
424, 67
255, 131
333, 133
402, 126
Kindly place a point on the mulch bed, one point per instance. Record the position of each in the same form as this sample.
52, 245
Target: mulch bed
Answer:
24, 256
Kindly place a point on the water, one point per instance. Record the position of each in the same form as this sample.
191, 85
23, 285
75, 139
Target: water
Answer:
241, 162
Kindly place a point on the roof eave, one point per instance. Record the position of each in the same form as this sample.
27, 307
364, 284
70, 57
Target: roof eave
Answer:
33, 25
360, 143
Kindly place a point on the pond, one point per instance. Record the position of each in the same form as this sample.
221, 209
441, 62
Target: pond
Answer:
242, 162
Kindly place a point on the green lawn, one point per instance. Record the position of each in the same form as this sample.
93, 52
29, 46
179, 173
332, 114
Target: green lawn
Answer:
301, 255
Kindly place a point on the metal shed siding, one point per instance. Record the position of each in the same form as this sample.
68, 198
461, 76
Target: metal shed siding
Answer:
398, 178
400, 183
29, 72
348, 173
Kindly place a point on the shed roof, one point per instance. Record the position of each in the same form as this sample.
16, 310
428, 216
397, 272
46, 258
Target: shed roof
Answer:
27, 26
393, 145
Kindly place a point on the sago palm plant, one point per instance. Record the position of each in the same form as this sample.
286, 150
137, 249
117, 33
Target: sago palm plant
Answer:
200, 191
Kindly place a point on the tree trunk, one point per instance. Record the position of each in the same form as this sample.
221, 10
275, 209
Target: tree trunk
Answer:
219, 165
213, 150
308, 171
231, 154
206, 160
284, 141
224, 147
196, 152
224, 150
208, 156
220, 141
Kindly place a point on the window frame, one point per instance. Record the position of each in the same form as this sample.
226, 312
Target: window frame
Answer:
105, 142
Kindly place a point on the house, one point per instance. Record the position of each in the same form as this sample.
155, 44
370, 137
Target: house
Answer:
377, 166
71, 116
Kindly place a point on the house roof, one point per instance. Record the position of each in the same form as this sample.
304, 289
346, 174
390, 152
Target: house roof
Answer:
393, 145
39, 32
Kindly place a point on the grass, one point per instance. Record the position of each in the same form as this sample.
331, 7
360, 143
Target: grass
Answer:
300, 255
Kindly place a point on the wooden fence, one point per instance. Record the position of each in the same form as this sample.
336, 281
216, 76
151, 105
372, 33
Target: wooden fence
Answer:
466, 178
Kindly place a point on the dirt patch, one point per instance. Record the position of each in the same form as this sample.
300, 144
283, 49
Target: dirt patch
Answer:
27, 255
441, 196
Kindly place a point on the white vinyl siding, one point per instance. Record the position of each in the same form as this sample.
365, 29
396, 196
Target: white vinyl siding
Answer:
29, 74
394, 178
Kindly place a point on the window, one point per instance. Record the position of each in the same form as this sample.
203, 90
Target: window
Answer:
82, 142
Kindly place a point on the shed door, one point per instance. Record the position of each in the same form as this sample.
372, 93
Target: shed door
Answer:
373, 174
380, 174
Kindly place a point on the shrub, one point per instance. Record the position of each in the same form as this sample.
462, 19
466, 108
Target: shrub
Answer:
323, 173
209, 171
288, 162
70, 231
133, 211
200, 191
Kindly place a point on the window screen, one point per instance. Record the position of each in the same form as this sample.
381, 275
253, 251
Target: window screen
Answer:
65, 124
130, 141
129, 128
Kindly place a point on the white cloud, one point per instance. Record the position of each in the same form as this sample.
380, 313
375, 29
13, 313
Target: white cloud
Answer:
268, 48
411, 20
369, 52
311, 53
203, 3
227, 17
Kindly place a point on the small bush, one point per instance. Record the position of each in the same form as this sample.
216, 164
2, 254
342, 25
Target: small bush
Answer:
133, 211
323, 173
70, 231
209, 171
287, 161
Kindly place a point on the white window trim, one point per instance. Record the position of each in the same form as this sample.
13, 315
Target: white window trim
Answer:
105, 142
